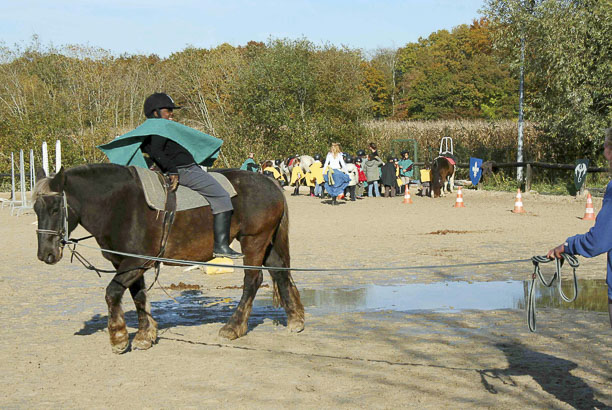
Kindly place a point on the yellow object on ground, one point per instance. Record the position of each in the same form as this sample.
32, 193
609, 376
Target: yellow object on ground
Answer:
217, 270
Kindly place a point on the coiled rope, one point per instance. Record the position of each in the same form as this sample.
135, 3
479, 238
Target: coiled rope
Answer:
537, 274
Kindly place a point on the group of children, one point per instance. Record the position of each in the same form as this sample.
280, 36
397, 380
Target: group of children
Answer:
366, 174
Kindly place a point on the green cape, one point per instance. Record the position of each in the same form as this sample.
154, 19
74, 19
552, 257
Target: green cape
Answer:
125, 149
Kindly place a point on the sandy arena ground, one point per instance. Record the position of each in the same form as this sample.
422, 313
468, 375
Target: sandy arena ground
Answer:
55, 351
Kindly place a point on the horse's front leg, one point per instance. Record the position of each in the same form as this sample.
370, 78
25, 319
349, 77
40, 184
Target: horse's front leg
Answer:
254, 250
452, 182
117, 329
147, 326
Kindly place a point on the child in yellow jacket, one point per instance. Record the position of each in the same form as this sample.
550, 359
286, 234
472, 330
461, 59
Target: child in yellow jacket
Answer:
296, 176
269, 170
316, 176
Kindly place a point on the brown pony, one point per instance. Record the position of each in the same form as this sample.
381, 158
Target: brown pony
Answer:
442, 173
108, 201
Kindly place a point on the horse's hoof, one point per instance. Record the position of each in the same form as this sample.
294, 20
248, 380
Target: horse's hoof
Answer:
141, 343
121, 347
295, 326
229, 332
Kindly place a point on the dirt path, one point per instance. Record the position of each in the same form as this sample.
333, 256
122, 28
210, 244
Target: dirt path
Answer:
55, 350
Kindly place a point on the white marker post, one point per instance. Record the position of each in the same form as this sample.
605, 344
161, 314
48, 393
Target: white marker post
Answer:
12, 177
45, 159
58, 155
21, 177
32, 171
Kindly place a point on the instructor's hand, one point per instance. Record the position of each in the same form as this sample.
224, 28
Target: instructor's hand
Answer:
174, 182
556, 252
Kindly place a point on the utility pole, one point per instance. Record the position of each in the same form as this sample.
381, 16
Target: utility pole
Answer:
519, 152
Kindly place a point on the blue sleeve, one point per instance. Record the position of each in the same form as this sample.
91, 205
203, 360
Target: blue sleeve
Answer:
599, 238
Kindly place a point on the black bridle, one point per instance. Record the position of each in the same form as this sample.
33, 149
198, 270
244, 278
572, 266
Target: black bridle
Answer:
62, 231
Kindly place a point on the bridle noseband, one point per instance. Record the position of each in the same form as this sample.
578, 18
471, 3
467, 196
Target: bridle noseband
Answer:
63, 231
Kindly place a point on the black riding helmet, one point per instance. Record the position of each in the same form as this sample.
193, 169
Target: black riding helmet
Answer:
277, 162
317, 157
361, 153
156, 102
348, 159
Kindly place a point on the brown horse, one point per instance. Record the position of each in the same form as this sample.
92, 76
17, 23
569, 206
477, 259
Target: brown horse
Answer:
442, 173
108, 201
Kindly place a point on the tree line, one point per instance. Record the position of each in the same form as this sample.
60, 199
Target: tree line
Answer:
289, 96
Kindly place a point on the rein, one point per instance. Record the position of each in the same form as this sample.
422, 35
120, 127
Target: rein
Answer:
63, 234
537, 274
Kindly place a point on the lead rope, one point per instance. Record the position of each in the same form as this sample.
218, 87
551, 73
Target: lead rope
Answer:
537, 274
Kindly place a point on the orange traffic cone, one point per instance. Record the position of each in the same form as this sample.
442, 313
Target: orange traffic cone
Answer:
589, 215
407, 199
459, 200
518, 203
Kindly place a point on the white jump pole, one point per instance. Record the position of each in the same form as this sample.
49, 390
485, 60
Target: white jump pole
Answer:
12, 177
32, 171
58, 155
21, 178
45, 159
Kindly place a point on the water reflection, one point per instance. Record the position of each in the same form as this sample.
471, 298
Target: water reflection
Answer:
196, 308
448, 297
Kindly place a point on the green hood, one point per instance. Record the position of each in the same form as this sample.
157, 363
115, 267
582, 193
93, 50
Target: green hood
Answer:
125, 149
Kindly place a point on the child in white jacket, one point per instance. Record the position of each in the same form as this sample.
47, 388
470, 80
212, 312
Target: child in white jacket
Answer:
354, 176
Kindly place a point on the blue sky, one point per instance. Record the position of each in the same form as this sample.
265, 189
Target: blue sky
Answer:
164, 27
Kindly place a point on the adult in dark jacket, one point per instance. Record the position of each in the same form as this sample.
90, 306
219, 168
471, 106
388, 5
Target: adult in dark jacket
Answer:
599, 238
389, 180
176, 161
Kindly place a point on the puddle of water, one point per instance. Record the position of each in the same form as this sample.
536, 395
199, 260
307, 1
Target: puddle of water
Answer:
196, 308
449, 297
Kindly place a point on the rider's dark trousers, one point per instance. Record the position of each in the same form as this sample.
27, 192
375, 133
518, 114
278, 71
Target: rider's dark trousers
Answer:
194, 177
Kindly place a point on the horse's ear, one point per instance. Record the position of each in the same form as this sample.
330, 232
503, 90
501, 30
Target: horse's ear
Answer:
40, 173
57, 183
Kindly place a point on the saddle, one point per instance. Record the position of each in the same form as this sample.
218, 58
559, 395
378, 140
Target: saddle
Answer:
450, 160
155, 191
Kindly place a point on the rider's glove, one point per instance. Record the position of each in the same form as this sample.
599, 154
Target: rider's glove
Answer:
174, 182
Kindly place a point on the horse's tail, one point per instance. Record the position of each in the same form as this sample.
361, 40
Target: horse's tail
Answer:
280, 250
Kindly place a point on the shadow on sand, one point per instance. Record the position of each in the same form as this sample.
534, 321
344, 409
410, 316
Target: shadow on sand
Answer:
553, 374
193, 309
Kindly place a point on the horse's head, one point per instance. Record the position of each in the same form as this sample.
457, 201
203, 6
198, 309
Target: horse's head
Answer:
52, 212
436, 179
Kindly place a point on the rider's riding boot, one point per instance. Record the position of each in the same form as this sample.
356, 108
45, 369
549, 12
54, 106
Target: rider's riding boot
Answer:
221, 229
296, 191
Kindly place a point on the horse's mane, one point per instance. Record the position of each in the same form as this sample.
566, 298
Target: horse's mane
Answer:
42, 186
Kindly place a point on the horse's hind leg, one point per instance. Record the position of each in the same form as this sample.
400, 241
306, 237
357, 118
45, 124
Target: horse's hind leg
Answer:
147, 326
254, 250
117, 330
286, 293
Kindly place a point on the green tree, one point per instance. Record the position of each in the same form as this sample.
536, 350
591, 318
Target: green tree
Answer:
569, 62
454, 75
